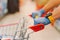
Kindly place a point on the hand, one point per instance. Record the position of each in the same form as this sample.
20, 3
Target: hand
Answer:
56, 13
41, 20
37, 13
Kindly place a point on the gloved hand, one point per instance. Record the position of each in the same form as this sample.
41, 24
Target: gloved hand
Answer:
41, 20
38, 13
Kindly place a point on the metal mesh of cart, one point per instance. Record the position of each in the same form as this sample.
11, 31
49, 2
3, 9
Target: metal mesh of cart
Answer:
15, 31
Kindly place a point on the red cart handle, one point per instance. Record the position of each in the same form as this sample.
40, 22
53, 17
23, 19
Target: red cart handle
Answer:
37, 27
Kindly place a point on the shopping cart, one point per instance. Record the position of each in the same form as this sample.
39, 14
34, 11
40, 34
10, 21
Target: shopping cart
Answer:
19, 30
16, 31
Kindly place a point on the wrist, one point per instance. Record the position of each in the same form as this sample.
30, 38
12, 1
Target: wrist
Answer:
56, 16
51, 18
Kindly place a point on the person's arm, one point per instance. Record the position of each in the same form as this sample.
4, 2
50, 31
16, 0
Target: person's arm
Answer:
48, 19
51, 4
56, 13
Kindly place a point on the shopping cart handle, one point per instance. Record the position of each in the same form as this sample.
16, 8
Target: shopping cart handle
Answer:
37, 27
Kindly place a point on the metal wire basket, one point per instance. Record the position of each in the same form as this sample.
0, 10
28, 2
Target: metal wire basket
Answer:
16, 31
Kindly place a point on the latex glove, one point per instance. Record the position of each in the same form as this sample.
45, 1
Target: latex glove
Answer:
38, 13
41, 20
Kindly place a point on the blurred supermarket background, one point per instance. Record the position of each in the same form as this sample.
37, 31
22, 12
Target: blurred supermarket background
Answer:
13, 18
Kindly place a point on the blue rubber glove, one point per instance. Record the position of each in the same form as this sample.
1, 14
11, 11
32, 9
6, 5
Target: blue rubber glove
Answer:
41, 20
39, 13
